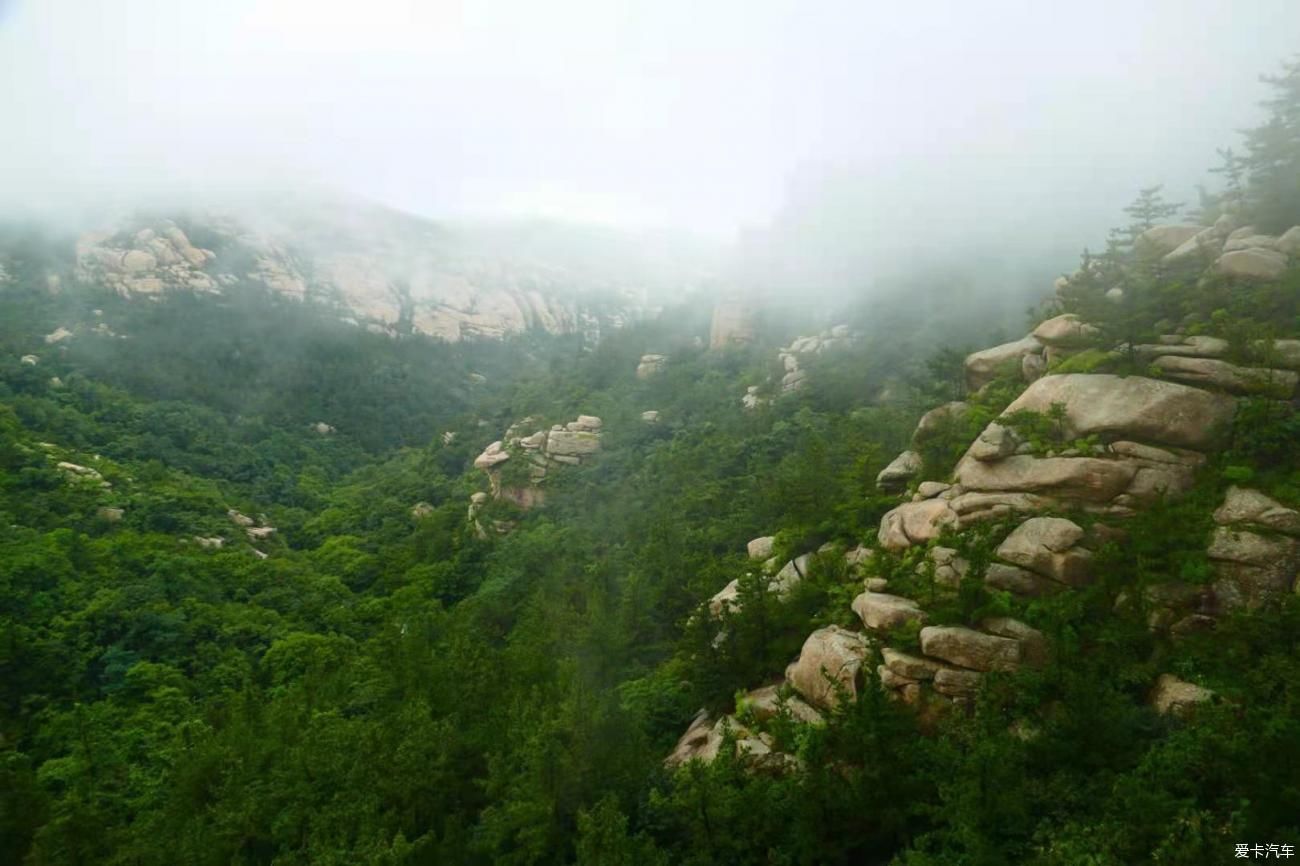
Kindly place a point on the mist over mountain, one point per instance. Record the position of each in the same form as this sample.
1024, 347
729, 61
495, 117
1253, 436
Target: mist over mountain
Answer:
631, 434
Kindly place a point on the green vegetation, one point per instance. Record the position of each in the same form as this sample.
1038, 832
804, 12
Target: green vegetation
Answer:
384, 686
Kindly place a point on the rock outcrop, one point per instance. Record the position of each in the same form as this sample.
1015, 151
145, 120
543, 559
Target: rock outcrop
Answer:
650, 365
537, 453
831, 661
1255, 550
387, 271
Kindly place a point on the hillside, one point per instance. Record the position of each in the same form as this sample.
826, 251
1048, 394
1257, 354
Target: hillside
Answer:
722, 586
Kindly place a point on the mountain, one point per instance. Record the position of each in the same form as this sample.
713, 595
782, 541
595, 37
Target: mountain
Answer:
393, 272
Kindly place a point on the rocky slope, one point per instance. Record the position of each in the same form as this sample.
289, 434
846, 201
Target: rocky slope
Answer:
393, 272
1054, 475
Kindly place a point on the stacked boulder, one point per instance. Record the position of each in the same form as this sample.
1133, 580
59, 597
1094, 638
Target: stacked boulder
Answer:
564, 444
803, 347
1230, 250
651, 365
1255, 550
149, 262
1149, 438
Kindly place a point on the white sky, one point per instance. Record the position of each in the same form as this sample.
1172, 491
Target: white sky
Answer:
690, 113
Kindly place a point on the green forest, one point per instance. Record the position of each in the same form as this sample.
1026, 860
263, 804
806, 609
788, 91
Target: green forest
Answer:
374, 681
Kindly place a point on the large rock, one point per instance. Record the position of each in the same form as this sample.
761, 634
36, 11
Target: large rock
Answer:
899, 472
572, 443
1201, 247
971, 649
938, 420
733, 323
957, 683
1165, 239
1085, 479
1065, 331
1133, 407
915, 523
994, 443
986, 365
1172, 696
760, 548
1251, 264
1289, 242
910, 666
491, 456
1034, 649
1230, 377
1046, 546
1249, 241
650, 365
1018, 581
1243, 505
790, 575
700, 742
766, 703
880, 611
830, 657
1252, 569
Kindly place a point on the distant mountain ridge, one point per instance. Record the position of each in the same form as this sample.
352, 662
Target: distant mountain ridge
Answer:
395, 272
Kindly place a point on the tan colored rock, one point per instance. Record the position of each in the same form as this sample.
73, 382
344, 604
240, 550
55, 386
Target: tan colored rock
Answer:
899, 472
994, 443
1035, 366
915, 523
1192, 347
58, 335
421, 510
213, 542
1018, 581
760, 548
1201, 247
984, 366
1230, 377
938, 420
790, 575
110, 514
585, 424
949, 567
1133, 407
572, 443
1250, 242
931, 489
700, 742
1252, 264
910, 666
830, 657
766, 703
1085, 479
650, 416
1066, 331
1165, 239
1034, 649
1046, 546
732, 325
1252, 569
971, 649
956, 683
880, 611
493, 455
1289, 243
1172, 696
1242, 505
650, 365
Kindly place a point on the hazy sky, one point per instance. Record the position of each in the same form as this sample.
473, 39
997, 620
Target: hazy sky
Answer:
695, 113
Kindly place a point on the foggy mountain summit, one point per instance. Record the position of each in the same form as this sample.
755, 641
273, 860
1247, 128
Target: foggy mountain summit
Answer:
393, 272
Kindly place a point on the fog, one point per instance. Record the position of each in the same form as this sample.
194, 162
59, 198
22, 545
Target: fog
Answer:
860, 130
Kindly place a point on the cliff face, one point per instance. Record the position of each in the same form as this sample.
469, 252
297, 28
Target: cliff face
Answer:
388, 271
